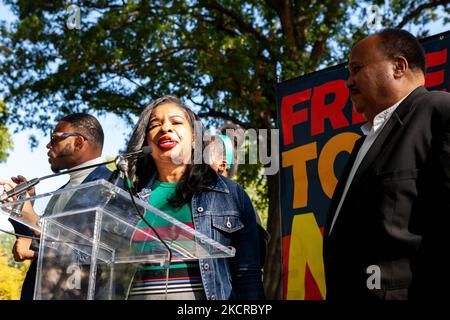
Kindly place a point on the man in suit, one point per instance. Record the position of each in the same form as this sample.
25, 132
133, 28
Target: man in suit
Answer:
76, 141
390, 210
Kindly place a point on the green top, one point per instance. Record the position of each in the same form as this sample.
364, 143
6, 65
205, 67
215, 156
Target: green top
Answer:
161, 193
159, 198
184, 280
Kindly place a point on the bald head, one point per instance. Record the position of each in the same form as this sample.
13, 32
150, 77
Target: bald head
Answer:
380, 75
397, 42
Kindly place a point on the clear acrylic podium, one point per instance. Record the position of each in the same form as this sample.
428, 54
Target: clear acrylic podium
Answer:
92, 241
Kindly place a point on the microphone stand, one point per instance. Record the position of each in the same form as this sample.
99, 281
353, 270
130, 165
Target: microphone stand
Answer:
121, 162
22, 187
122, 166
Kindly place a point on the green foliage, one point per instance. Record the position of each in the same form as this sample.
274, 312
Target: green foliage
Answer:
5, 138
257, 191
12, 273
223, 57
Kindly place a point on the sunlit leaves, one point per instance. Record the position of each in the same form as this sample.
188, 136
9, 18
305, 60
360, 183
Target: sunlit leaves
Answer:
5, 137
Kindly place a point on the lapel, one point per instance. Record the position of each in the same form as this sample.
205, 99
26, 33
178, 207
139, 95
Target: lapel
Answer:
97, 173
51, 203
94, 175
396, 121
341, 183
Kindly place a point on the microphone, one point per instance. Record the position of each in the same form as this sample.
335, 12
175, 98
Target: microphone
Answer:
121, 163
24, 186
20, 188
140, 153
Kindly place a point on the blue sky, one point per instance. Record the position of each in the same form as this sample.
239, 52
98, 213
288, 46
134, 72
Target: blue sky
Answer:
34, 163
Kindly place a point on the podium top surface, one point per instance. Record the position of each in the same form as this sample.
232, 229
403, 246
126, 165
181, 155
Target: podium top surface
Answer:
99, 211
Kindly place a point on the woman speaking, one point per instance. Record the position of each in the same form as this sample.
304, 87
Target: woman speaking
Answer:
194, 194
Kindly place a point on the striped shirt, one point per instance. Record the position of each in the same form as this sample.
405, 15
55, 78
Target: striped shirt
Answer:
184, 278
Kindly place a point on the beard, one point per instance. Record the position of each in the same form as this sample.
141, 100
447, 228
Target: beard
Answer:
55, 170
59, 163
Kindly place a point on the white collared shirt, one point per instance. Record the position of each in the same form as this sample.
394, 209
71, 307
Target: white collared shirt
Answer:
76, 178
371, 131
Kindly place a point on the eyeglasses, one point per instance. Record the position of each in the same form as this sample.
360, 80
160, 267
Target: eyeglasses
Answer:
59, 136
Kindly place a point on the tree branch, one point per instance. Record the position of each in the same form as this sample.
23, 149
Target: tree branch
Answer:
416, 12
282, 8
319, 45
218, 114
164, 54
243, 26
224, 116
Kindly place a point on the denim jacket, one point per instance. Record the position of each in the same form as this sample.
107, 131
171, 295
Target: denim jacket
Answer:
225, 213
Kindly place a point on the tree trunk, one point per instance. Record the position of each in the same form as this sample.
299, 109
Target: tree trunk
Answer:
272, 269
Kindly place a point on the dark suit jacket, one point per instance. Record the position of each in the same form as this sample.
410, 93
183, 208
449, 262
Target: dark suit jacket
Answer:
396, 212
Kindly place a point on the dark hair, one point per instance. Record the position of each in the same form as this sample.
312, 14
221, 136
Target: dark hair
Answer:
88, 126
398, 42
197, 177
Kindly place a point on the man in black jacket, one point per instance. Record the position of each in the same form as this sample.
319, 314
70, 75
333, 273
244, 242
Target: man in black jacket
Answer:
391, 207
